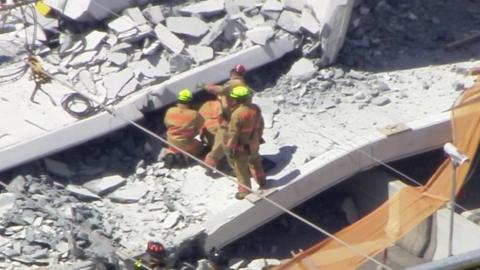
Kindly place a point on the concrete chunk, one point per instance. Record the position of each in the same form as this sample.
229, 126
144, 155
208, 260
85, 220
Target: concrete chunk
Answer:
171, 220
144, 67
303, 69
93, 39
122, 24
294, 5
205, 8
82, 58
247, 4
161, 67
254, 21
260, 35
289, 21
86, 79
58, 168
117, 58
154, 14
7, 201
216, 29
168, 39
81, 192
309, 23
231, 8
119, 82
136, 15
105, 185
190, 26
273, 5
129, 194
200, 53
121, 47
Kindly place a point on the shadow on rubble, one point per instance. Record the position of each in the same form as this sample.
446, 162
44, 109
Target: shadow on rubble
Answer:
281, 159
390, 35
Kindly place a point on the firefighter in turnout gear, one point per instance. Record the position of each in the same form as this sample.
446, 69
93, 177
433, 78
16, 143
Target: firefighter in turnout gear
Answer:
183, 124
243, 139
213, 133
210, 111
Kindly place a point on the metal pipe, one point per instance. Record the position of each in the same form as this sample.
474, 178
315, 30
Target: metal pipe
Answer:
452, 207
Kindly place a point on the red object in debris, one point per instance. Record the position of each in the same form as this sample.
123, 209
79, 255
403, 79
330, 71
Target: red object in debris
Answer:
155, 247
239, 69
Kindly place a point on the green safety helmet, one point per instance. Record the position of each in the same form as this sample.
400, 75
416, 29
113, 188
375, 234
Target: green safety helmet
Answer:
240, 92
185, 95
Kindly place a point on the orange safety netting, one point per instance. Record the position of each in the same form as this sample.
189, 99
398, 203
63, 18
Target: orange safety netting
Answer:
406, 209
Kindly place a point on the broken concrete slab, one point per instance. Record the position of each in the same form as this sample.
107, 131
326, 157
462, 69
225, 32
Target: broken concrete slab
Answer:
200, 53
294, 5
58, 168
168, 39
171, 220
253, 21
82, 58
7, 201
81, 192
190, 26
289, 21
122, 24
117, 81
136, 15
302, 70
130, 193
86, 79
260, 35
231, 8
216, 29
93, 39
248, 4
154, 14
117, 58
105, 185
161, 68
309, 23
205, 8
272, 5
123, 46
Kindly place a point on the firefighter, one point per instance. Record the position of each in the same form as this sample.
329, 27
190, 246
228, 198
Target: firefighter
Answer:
213, 131
183, 124
243, 138
211, 109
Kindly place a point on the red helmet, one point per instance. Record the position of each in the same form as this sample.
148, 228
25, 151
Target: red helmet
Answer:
239, 69
155, 247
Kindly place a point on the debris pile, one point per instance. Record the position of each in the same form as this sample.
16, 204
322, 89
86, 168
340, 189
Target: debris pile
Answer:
41, 225
147, 44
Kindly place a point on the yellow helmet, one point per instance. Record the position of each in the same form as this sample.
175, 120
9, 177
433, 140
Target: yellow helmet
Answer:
240, 92
185, 95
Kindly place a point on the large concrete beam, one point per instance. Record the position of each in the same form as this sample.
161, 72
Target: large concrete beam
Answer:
323, 172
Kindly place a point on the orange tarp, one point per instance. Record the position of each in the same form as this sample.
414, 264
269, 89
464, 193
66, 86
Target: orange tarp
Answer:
406, 209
